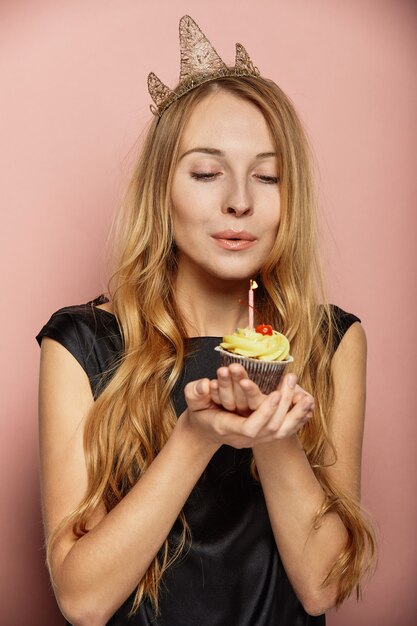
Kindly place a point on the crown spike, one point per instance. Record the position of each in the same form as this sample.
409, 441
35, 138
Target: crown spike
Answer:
200, 63
243, 62
158, 91
198, 57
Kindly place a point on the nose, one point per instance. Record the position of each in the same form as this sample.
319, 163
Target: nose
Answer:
238, 201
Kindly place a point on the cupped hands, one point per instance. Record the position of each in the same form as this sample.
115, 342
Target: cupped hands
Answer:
232, 410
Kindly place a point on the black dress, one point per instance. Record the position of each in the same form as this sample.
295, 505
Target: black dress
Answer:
232, 574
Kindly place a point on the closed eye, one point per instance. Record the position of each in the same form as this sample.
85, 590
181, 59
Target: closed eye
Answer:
208, 176
205, 176
269, 180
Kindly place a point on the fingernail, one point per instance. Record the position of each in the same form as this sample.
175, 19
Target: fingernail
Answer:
200, 387
291, 381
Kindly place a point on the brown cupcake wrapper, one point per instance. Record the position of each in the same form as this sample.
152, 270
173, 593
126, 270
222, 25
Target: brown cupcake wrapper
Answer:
266, 374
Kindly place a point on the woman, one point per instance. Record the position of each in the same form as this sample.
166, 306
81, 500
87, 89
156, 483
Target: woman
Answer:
187, 496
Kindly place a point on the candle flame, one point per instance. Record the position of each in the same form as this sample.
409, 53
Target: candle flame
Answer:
253, 284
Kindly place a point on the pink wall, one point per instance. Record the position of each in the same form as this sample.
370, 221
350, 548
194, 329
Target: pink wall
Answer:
73, 100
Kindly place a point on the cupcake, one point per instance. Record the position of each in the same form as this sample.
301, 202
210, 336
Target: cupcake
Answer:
263, 352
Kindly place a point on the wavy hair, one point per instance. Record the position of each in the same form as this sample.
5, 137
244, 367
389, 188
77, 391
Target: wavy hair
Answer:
123, 434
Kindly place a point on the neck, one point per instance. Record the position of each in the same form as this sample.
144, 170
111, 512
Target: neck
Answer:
209, 306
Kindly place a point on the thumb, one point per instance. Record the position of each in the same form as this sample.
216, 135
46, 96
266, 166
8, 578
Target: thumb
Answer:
197, 394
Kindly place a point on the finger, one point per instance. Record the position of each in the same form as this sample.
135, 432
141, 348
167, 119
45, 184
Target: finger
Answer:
226, 393
197, 394
287, 393
238, 373
254, 396
295, 419
214, 391
262, 415
301, 395
298, 396
298, 388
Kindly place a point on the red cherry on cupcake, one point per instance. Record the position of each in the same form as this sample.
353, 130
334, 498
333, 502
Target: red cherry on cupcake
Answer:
264, 329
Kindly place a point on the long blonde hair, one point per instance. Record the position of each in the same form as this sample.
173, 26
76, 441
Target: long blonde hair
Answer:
123, 434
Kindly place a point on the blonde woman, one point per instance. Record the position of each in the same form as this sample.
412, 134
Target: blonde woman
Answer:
174, 492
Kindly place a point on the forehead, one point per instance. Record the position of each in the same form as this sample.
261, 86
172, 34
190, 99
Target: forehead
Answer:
223, 118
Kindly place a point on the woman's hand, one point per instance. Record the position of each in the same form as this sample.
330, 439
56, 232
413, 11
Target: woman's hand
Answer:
233, 411
228, 390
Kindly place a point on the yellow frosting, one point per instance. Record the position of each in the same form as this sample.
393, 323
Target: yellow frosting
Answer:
249, 343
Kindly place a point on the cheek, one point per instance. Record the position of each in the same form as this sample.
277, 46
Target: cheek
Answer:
272, 221
179, 198
273, 218
191, 210
182, 213
272, 238
186, 219
184, 223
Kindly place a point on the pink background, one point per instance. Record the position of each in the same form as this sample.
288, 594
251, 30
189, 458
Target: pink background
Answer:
73, 102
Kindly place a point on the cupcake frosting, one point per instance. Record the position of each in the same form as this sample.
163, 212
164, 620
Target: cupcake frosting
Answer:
249, 343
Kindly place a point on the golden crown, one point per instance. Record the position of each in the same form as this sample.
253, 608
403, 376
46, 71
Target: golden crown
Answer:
200, 63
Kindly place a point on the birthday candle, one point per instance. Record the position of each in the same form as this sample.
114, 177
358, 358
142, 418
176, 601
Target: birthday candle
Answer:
253, 285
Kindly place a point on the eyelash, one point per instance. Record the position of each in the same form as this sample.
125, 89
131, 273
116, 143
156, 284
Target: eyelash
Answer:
206, 177
203, 176
269, 180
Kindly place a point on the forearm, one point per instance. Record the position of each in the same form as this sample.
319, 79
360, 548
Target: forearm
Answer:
104, 566
293, 496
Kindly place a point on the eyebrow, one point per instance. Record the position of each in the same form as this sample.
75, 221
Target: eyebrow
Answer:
216, 152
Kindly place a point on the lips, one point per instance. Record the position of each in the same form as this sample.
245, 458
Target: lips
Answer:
234, 240
242, 235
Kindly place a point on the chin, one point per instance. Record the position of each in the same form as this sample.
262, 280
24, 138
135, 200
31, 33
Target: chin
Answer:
233, 274
231, 268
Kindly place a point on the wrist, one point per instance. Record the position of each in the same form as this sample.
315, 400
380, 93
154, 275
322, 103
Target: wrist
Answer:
286, 444
193, 436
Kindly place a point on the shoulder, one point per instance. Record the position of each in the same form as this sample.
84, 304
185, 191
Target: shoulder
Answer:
347, 416
353, 345
341, 322
77, 321
342, 318
91, 334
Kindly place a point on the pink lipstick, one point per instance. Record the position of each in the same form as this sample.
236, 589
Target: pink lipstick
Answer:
234, 240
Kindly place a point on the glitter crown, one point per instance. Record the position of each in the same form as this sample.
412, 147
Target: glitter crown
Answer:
200, 63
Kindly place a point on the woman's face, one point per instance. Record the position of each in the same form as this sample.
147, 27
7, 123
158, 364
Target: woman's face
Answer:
225, 193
